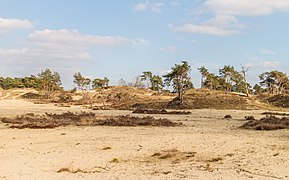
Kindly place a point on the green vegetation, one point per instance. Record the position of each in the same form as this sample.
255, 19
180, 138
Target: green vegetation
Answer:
49, 82
179, 78
26, 82
155, 82
82, 83
228, 80
275, 82
46, 82
100, 83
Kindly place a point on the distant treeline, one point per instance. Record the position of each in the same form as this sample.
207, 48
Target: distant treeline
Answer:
229, 79
46, 81
26, 82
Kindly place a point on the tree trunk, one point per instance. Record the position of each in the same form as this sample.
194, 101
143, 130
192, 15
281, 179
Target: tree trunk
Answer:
180, 96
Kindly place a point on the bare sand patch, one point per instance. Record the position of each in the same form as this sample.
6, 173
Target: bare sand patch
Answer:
207, 146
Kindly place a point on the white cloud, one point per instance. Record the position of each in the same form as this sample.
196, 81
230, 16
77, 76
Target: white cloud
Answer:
225, 21
220, 25
147, 5
170, 49
141, 6
267, 51
9, 24
40, 56
246, 7
203, 29
263, 64
65, 51
175, 3
157, 7
74, 38
66, 46
225, 12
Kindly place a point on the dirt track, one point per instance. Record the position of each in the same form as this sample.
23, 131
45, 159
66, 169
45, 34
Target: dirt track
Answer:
207, 147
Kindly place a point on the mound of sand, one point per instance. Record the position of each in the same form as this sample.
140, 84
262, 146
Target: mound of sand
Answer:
203, 99
130, 98
200, 99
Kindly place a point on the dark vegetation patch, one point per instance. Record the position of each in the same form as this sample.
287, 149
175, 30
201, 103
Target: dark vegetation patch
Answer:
55, 97
248, 118
268, 123
275, 114
136, 121
281, 100
228, 116
216, 159
31, 95
49, 121
163, 111
71, 116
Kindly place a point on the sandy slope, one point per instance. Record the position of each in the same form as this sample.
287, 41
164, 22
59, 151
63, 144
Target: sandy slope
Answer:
222, 151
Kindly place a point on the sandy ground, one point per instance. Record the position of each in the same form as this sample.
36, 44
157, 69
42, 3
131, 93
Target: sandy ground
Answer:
206, 147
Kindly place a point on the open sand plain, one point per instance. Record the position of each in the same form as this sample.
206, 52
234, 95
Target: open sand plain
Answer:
205, 147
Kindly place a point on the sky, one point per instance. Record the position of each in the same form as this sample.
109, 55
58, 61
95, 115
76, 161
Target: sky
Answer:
121, 39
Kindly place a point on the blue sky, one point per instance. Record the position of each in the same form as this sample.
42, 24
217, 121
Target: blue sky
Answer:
121, 39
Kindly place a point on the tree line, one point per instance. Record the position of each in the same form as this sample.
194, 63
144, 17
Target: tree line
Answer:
228, 79
231, 80
46, 81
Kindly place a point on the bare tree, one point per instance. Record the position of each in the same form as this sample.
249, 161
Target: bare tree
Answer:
244, 73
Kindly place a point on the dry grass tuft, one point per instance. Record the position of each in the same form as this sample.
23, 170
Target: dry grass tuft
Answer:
69, 169
217, 159
173, 154
207, 167
106, 148
115, 160
74, 171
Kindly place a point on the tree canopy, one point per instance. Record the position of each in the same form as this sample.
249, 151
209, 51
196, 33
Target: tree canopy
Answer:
155, 82
100, 83
179, 78
274, 81
49, 82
